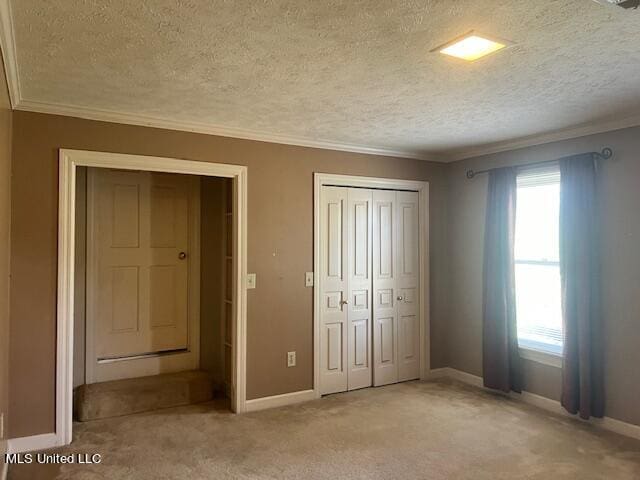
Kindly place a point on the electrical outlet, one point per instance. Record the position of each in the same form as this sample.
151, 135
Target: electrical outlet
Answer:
308, 279
291, 359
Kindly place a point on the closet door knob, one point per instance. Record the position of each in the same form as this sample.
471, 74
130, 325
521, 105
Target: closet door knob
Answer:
182, 255
400, 297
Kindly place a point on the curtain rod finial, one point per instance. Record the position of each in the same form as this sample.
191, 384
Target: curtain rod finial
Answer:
471, 174
606, 153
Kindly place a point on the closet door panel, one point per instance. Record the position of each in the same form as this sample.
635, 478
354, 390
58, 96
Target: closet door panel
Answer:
333, 295
360, 280
385, 320
407, 285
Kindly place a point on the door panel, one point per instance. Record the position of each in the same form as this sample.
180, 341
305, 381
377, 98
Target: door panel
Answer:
387, 340
125, 209
407, 284
124, 311
359, 229
385, 366
334, 293
334, 346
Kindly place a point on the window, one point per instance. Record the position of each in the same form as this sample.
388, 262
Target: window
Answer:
537, 265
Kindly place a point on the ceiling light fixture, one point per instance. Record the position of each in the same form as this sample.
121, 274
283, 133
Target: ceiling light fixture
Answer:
472, 46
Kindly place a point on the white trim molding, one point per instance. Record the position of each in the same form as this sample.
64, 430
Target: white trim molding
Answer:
4, 467
69, 160
33, 443
320, 179
129, 118
577, 131
606, 423
8, 47
279, 400
539, 356
443, 156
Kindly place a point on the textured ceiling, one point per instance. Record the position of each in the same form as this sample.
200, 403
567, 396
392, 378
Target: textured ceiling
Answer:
352, 71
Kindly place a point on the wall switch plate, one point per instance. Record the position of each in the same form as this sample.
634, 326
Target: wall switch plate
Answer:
308, 279
251, 280
291, 359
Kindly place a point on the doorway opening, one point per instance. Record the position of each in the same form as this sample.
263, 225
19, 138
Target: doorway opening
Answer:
147, 318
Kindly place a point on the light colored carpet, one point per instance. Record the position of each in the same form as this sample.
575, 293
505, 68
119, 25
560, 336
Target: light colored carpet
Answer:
439, 430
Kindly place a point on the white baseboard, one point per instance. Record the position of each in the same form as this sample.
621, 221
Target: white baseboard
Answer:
606, 423
33, 443
51, 440
3, 466
279, 400
448, 372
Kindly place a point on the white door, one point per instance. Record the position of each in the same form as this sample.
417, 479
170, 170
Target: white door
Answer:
359, 220
334, 293
396, 267
369, 288
139, 258
385, 312
407, 285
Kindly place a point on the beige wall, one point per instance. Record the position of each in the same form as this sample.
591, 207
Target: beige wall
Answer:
280, 247
5, 223
619, 191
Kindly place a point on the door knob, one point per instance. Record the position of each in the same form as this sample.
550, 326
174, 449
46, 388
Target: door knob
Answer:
182, 255
344, 302
399, 298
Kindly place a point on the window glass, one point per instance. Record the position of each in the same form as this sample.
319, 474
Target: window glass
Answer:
538, 294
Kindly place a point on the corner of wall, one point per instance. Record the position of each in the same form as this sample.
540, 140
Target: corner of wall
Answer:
6, 132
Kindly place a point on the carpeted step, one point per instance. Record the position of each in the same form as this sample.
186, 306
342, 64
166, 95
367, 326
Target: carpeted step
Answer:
134, 395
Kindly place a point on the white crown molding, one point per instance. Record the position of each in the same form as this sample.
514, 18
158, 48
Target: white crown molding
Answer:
606, 423
218, 130
8, 47
591, 128
210, 129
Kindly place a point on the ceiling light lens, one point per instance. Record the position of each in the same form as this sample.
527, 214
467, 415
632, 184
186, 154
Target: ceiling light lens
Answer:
472, 48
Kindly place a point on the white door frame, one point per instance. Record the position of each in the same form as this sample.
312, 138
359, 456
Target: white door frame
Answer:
321, 179
68, 161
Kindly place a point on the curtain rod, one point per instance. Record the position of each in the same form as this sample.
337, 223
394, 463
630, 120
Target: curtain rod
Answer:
604, 154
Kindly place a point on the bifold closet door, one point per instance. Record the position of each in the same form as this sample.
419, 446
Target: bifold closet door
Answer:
407, 285
359, 226
385, 315
369, 300
333, 294
346, 279
396, 327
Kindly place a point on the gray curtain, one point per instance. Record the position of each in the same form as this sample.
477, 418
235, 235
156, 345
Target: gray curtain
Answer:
501, 359
582, 375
